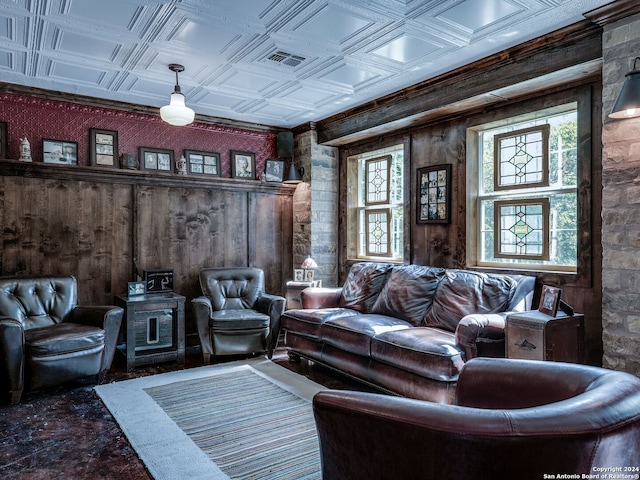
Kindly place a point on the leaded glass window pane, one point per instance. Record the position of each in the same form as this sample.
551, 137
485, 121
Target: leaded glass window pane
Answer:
522, 158
523, 229
377, 227
377, 172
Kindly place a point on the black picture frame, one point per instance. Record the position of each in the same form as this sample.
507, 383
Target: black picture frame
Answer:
136, 288
4, 140
156, 159
549, 300
158, 281
433, 194
103, 148
243, 164
59, 152
274, 170
203, 163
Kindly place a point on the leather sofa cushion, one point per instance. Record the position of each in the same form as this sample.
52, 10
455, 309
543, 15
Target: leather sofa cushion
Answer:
354, 334
425, 351
62, 338
362, 286
462, 292
239, 319
307, 322
408, 292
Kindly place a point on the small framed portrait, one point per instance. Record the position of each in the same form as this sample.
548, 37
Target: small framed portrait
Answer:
156, 281
298, 275
59, 152
103, 148
433, 194
4, 140
549, 300
203, 163
308, 275
135, 288
243, 164
159, 159
274, 171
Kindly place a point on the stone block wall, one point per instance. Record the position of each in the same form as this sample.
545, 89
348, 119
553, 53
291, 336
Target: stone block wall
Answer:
315, 207
621, 205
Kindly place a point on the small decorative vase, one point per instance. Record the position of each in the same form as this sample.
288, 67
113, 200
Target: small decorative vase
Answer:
25, 150
181, 166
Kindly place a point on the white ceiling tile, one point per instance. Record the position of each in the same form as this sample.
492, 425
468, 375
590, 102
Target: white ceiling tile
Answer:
405, 49
333, 24
476, 14
347, 75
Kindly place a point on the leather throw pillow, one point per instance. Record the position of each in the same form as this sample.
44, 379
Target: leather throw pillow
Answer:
362, 286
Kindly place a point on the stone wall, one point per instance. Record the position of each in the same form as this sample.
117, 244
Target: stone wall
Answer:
621, 205
315, 207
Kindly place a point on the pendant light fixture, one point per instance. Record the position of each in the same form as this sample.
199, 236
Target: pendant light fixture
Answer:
628, 103
177, 113
294, 175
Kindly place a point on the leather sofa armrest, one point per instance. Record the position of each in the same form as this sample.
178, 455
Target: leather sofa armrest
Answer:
107, 317
12, 360
320, 297
272, 305
202, 312
478, 327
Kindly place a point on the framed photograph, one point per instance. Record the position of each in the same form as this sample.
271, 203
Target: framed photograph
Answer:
135, 288
60, 152
298, 275
203, 163
549, 300
103, 148
308, 275
159, 159
243, 164
4, 140
156, 281
433, 194
274, 171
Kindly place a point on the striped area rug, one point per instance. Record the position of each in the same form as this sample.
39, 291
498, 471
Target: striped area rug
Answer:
245, 420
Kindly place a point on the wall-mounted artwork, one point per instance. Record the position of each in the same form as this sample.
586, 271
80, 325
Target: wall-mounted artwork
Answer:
433, 194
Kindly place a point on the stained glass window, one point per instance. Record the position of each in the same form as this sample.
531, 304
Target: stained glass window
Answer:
523, 229
377, 180
378, 223
522, 158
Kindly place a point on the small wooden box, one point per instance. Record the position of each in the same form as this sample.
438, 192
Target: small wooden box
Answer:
536, 336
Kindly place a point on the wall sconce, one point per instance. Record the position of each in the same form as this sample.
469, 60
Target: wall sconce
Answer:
294, 175
628, 103
177, 113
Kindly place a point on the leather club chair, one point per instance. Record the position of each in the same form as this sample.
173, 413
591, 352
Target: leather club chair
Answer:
519, 419
234, 315
47, 339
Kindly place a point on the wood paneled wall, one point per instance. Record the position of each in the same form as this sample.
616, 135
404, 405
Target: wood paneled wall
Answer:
106, 227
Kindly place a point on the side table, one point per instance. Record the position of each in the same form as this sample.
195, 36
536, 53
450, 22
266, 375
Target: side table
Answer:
534, 335
293, 292
154, 328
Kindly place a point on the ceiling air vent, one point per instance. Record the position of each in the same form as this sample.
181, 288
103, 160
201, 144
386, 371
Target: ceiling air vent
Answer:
286, 58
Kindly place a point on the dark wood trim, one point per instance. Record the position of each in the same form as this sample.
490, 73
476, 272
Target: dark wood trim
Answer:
550, 59
612, 12
12, 168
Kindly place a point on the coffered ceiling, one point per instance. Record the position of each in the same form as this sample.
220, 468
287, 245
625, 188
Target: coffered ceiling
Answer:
276, 62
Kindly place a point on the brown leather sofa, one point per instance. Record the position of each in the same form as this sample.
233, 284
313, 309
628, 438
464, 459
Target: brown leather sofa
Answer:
407, 329
234, 315
512, 419
47, 339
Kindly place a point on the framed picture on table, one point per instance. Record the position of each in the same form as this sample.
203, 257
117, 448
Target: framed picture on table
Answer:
203, 163
59, 152
103, 148
243, 164
549, 300
159, 159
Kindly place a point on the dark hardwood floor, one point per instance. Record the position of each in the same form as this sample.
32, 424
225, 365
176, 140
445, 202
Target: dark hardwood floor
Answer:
66, 432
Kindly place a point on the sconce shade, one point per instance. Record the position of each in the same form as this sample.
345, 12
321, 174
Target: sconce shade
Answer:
294, 175
309, 263
628, 103
177, 113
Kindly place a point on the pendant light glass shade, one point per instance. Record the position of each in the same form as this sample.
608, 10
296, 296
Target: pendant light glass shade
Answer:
177, 113
628, 103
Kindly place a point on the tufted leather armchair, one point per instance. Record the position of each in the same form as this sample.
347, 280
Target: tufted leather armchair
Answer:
234, 315
47, 339
513, 419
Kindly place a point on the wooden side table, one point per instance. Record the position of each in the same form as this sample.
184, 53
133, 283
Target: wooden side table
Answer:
154, 328
536, 336
293, 292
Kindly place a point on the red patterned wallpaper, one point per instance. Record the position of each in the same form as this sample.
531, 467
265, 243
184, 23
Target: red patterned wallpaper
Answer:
38, 118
